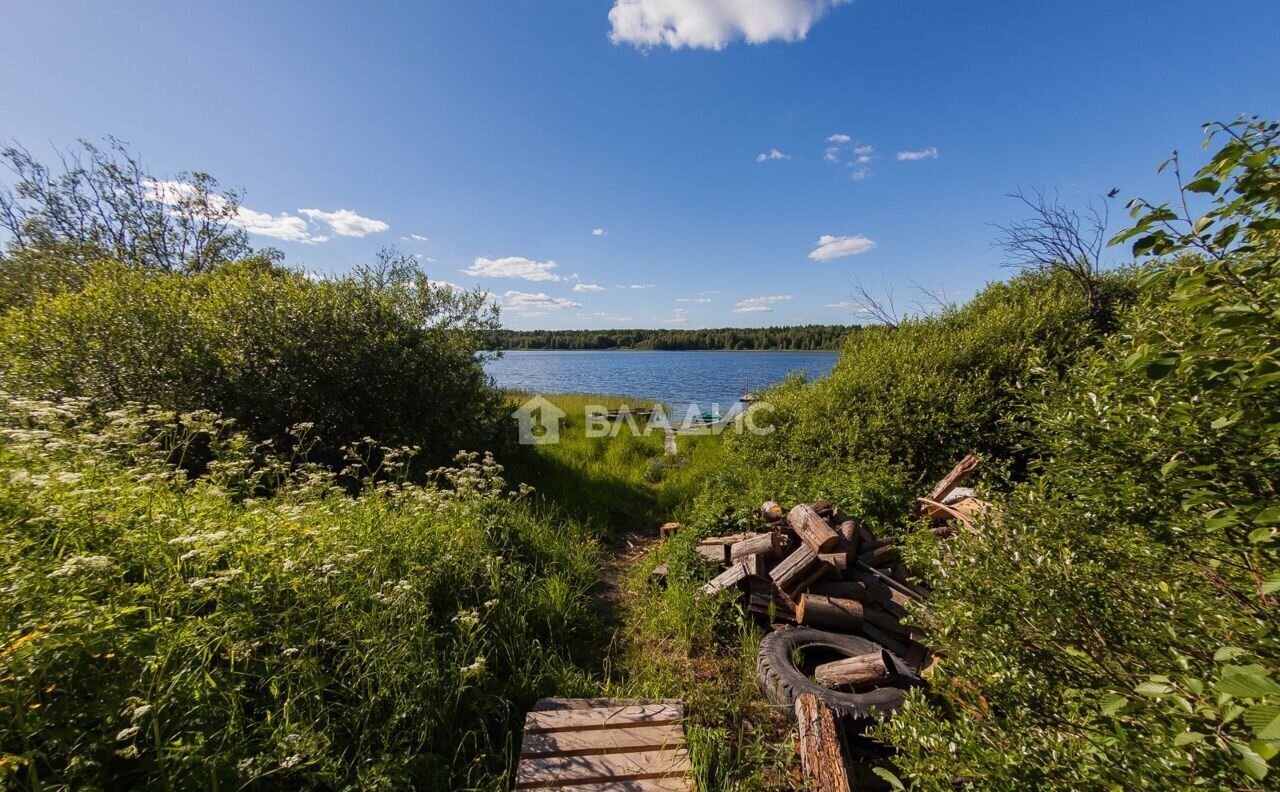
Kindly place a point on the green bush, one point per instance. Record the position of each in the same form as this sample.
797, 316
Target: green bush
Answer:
903, 404
383, 353
162, 631
1116, 628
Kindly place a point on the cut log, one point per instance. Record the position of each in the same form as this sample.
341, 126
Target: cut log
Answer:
726, 579
869, 670
906, 588
715, 552
668, 529
812, 529
821, 757
885, 621
823, 508
770, 543
659, 574
800, 569
955, 478
829, 613
848, 531
772, 512
840, 562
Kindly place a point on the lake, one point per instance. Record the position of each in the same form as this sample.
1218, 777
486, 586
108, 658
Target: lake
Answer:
705, 378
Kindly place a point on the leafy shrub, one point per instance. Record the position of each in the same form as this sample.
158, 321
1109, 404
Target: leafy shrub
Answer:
903, 404
384, 353
1116, 629
162, 631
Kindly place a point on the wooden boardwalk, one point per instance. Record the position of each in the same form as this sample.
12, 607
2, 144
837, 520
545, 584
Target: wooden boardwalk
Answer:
576, 745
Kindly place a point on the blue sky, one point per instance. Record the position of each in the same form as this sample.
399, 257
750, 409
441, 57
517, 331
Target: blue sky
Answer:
506, 132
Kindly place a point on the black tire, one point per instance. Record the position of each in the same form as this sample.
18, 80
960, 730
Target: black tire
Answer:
782, 682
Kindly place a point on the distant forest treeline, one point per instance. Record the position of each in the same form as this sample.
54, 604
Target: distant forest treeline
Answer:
803, 337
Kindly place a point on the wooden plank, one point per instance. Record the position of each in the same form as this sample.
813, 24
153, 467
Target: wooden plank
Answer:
955, 478
561, 771
602, 741
597, 703
603, 717
821, 756
726, 579
648, 785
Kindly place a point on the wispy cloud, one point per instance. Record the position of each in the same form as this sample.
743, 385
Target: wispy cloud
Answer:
284, 226
845, 305
834, 247
345, 222
535, 304
693, 299
760, 304
923, 154
839, 138
771, 154
637, 286
610, 317
414, 238
587, 287
857, 157
713, 24
679, 316
598, 232
513, 267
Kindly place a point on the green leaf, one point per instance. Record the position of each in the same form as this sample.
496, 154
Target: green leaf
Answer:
1205, 184
1185, 738
1251, 681
1153, 689
1264, 719
1271, 583
1112, 703
1159, 369
1250, 762
890, 778
1260, 535
1228, 653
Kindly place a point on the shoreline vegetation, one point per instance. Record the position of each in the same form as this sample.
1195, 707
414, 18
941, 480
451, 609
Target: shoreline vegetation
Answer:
806, 338
237, 552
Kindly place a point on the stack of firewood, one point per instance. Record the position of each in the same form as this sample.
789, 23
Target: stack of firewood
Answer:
816, 567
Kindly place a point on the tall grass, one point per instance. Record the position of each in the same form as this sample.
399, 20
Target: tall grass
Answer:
259, 625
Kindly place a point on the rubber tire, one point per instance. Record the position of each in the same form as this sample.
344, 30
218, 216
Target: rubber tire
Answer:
781, 682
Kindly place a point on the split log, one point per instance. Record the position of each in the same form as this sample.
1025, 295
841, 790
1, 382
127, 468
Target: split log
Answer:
885, 621
772, 512
770, 543
714, 552
831, 613
669, 529
771, 607
726, 579
869, 670
906, 588
659, 574
848, 531
823, 509
821, 757
812, 529
840, 562
797, 571
955, 478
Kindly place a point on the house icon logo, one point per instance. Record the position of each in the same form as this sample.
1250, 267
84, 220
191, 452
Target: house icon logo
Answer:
539, 422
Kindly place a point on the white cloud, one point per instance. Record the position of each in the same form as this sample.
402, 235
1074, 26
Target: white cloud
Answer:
513, 267
535, 304
587, 287
860, 155
345, 222
611, 317
414, 238
679, 316
713, 24
760, 304
285, 227
693, 299
858, 174
598, 232
844, 305
839, 138
925, 153
638, 286
772, 154
833, 247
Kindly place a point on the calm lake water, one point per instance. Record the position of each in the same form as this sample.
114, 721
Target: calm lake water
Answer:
676, 378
